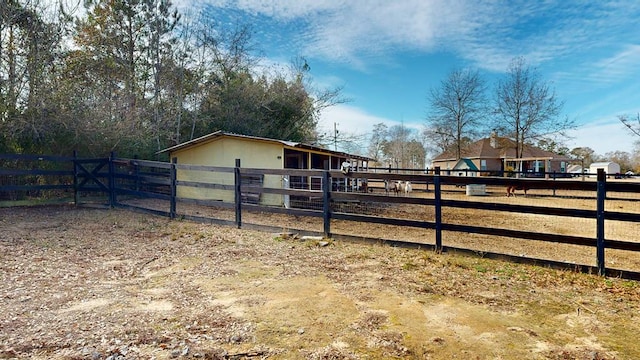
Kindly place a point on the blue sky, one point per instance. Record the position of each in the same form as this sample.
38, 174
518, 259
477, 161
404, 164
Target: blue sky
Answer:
389, 54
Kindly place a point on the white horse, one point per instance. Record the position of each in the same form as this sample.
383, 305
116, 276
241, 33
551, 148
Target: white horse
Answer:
404, 187
399, 187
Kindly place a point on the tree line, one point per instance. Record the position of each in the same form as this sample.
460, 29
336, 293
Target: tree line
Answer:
137, 76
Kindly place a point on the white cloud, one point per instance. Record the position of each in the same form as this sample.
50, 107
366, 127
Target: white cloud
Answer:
349, 119
353, 31
620, 65
487, 34
603, 137
355, 121
280, 9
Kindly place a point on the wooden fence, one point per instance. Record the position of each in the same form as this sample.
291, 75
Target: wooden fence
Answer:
130, 183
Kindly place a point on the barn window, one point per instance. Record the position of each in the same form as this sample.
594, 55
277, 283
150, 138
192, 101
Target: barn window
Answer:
483, 165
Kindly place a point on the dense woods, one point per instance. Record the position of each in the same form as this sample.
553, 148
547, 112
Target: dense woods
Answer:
135, 76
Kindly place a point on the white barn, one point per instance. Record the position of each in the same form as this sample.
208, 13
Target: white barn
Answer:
609, 167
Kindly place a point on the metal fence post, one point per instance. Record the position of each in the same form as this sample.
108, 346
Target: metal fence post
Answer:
238, 193
76, 193
602, 194
438, 208
326, 203
173, 179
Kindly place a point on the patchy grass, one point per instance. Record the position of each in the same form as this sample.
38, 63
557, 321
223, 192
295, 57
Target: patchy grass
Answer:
80, 283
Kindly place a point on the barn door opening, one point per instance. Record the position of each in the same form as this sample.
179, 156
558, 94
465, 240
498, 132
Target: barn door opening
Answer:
296, 160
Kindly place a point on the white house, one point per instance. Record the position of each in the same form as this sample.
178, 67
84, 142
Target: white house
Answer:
609, 167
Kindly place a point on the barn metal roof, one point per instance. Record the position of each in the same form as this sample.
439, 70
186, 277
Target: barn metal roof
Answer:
291, 144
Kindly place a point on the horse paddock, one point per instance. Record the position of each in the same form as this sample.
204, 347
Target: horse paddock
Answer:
82, 283
537, 223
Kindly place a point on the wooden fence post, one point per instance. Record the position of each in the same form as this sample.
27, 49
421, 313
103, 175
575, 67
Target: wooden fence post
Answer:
112, 180
602, 193
76, 193
326, 202
438, 208
173, 176
136, 171
238, 193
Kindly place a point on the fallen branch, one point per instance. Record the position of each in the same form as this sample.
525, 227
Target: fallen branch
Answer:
148, 262
585, 307
245, 354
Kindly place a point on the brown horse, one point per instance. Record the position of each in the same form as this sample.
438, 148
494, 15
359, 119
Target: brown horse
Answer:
511, 190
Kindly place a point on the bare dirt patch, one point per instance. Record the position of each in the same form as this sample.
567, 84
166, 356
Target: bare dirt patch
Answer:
97, 284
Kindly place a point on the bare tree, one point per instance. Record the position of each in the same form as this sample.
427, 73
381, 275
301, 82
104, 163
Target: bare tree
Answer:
457, 107
527, 107
376, 143
402, 149
623, 159
632, 124
323, 98
635, 157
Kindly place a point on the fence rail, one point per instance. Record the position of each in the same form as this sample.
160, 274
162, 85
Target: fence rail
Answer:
330, 195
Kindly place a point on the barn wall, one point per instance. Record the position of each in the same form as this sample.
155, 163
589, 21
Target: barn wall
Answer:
223, 152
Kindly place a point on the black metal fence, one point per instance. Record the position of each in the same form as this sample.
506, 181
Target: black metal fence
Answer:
225, 194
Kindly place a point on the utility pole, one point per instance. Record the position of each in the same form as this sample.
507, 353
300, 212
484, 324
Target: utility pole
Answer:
335, 136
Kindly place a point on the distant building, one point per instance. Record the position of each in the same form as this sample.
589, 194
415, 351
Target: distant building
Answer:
576, 170
609, 167
496, 155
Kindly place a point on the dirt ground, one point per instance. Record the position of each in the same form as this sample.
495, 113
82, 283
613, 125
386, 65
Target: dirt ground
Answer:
113, 284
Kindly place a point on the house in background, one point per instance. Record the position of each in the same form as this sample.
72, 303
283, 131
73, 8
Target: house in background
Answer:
497, 155
222, 149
